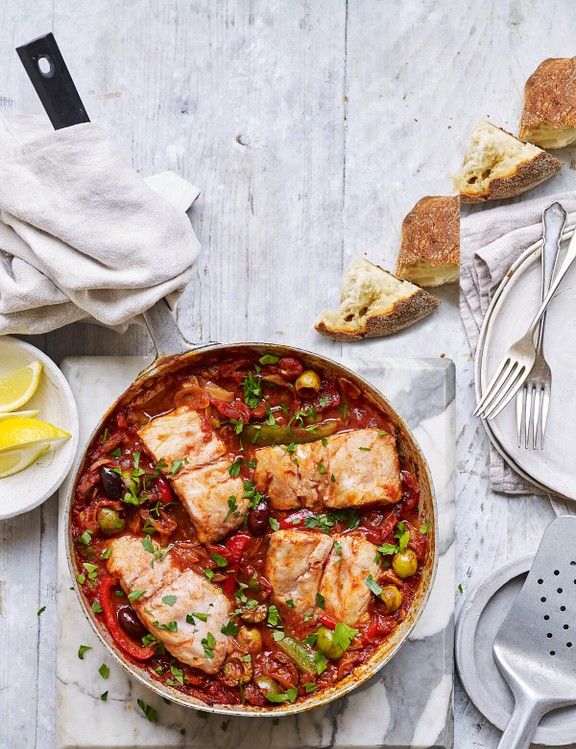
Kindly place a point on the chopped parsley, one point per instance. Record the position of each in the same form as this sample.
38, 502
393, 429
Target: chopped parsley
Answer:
338, 548
388, 549
273, 617
104, 696
191, 618
106, 553
309, 687
85, 538
169, 600
290, 603
343, 635
425, 527
278, 635
232, 506
251, 494
82, 650
269, 359
117, 453
323, 401
365, 449
209, 573
104, 671
135, 595
234, 469
274, 524
91, 569
219, 559
96, 608
372, 585
252, 388
320, 602
41, 611
176, 466
208, 643
321, 468
169, 626
178, 674
289, 695
230, 628
321, 662
150, 712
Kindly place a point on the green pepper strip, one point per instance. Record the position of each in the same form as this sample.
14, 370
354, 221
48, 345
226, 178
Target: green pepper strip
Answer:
301, 654
272, 434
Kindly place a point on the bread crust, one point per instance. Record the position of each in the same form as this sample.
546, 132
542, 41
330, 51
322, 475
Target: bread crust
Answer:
430, 235
405, 312
527, 175
549, 98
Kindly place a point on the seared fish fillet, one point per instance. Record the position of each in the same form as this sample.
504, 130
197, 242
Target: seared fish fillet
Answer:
354, 469
292, 480
213, 499
169, 601
181, 435
294, 567
343, 584
365, 467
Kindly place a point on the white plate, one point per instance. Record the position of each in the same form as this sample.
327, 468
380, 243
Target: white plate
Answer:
55, 402
512, 308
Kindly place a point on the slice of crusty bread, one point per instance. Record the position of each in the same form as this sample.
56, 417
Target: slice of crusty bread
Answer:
374, 303
549, 114
430, 249
497, 165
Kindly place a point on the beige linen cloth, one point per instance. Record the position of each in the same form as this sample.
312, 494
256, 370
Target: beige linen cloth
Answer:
82, 235
490, 242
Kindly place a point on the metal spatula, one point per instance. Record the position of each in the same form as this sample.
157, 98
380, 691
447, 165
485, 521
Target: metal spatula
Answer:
535, 648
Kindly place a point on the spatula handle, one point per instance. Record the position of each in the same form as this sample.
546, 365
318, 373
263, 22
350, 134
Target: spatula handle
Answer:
522, 726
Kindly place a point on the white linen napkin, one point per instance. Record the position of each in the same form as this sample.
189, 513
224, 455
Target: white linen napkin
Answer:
490, 242
82, 235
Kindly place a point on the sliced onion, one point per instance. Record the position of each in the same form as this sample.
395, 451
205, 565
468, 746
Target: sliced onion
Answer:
215, 391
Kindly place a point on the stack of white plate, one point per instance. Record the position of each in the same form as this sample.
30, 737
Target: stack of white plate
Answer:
512, 308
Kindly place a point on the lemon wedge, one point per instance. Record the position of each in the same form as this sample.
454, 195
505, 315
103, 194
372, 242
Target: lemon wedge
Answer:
14, 461
24, 432
18, 386
20, 414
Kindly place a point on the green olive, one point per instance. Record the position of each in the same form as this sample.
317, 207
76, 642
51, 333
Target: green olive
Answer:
405, 563
109, 521
326, 645
392, 598
250, 639
267, 685
308, 383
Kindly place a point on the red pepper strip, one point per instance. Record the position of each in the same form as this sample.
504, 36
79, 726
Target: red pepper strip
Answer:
237, 409
327, 621
166, 494
138, 652
235, 547
229, 586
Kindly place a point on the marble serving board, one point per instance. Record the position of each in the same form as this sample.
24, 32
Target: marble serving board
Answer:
407, 705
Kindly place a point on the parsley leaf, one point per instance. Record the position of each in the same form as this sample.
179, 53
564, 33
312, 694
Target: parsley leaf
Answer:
82, 650
252, 390
135, 595
343, 635
372, 585
273, 617
274, 524
104, 671
150, 712
234, 469
85, 538
230, 628
269, 359
208, 643
169, 600
320, 602
219, 559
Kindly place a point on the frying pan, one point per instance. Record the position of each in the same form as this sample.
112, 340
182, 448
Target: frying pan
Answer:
50, 77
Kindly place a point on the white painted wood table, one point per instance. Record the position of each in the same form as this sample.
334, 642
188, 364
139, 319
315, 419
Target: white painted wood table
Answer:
311, 128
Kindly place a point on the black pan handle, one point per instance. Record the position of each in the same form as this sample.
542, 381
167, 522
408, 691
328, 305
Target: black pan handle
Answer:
47, 70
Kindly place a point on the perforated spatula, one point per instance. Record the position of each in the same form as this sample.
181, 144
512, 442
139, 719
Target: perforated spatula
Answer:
535, 648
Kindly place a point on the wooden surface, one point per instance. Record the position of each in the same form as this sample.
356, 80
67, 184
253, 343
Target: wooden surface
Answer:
311, 128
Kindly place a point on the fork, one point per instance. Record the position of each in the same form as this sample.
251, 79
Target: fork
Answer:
533, 399
517, 363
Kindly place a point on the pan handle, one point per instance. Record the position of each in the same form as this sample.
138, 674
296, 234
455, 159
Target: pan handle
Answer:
47, 70
165, 332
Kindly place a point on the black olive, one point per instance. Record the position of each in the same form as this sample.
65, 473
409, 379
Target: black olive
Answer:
128, 620
112, 484
258, 519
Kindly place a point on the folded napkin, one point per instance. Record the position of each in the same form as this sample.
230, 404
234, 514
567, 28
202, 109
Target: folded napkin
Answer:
491, 240
82, 235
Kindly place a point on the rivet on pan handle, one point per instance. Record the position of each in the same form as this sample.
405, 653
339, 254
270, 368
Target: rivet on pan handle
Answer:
54, 85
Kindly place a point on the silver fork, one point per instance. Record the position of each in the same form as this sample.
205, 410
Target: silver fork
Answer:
533, 399
517, 363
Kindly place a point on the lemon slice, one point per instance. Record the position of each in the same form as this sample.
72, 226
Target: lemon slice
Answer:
14, 461
18, 386
20, 414
21, 432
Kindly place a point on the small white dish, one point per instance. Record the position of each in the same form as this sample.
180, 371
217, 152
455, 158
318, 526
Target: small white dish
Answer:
54, 400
